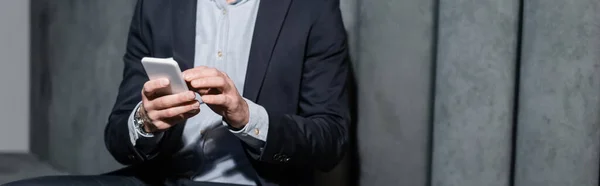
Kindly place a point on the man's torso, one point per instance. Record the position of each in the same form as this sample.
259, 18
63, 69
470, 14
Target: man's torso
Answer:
273, 66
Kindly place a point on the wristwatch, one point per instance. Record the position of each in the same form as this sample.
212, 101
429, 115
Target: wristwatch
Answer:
139, 120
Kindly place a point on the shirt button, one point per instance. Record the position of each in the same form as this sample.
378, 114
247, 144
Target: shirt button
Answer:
220, 54
224, 12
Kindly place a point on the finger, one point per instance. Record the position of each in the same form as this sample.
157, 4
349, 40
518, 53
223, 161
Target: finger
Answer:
152, 86
210, 82
181, 117
218, 99
190, 71
160, 125
174, 111
169, 101
168, 122
203, 91
191, 113
226, 76
200, 72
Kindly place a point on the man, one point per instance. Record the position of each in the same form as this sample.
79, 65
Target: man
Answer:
272, 75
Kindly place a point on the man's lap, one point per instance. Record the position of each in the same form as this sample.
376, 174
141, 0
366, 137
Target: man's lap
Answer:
103, 180
79, 180
131, 175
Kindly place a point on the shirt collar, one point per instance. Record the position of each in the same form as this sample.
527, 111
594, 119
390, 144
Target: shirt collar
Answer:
235, 2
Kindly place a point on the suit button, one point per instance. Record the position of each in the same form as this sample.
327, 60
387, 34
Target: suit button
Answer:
131, 157
277, 157
286, 159
282, 158
256, 132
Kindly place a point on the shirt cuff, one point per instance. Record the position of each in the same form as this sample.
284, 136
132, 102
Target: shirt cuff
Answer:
255, 132
134, 134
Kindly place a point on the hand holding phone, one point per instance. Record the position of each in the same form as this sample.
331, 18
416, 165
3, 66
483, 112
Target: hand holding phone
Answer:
166, 99
167, 68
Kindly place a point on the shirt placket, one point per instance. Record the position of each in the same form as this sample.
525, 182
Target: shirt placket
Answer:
222, 37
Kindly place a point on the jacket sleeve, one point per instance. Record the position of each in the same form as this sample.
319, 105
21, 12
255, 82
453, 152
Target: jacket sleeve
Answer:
318, 135
116, 134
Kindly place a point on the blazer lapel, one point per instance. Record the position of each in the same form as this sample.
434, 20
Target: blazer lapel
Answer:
270, 17
183, 15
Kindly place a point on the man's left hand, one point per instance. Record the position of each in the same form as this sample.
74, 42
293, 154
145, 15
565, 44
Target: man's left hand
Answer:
220, 94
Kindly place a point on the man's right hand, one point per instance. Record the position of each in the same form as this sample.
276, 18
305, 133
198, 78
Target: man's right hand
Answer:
165, 110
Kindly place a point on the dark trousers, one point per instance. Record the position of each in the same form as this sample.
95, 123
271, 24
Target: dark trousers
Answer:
103, 180
125, 177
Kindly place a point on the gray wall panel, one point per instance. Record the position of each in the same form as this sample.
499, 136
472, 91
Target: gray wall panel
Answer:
558, 126
474, 94
85, 42
394, 65
38, 142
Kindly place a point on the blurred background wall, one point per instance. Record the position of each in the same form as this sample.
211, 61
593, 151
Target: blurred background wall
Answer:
78, 47
14, 75
449, 92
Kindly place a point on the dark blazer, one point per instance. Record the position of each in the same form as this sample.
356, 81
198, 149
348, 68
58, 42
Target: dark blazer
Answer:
297, 70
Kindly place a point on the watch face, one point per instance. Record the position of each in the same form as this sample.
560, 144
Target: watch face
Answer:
140, 122
138, 117
140, 126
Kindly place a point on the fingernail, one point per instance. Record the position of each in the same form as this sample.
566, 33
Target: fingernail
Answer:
196, 105
186, 76
164, 82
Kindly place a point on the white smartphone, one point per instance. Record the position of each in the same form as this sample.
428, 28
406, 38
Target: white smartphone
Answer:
165, 68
